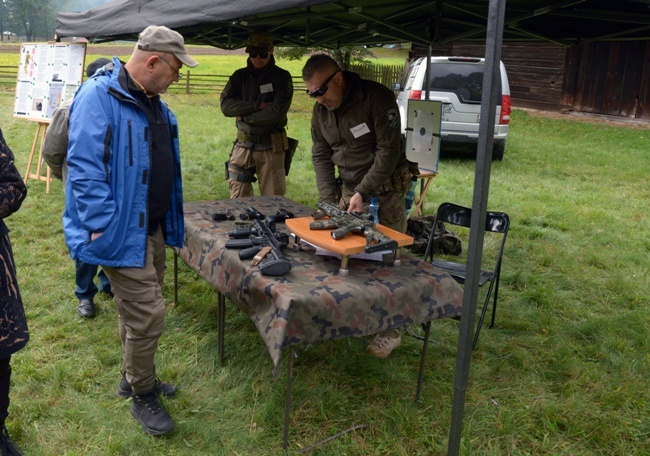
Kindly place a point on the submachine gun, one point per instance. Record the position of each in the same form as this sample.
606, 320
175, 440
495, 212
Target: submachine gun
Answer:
343, 223
263, 244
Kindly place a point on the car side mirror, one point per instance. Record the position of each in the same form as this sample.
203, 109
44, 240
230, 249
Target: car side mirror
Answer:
397, 86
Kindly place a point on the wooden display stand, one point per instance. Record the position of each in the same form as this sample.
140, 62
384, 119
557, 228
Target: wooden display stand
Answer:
345, 247
41, 129
425, 180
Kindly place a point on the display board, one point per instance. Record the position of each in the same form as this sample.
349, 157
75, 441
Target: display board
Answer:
423, 126
48, 75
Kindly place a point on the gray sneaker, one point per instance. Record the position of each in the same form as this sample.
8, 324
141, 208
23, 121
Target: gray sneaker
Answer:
147, 409
384, 343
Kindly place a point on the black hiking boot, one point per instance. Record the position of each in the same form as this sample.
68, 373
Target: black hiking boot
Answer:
8, 447
147, 409
164, 389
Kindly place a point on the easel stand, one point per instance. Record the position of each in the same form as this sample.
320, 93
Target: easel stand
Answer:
41, 128
425, 180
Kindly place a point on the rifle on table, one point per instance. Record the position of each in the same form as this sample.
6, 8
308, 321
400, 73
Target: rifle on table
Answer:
250, 213
261, 243
343, 223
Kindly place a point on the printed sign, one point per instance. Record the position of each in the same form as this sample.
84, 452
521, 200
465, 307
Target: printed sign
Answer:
48, 75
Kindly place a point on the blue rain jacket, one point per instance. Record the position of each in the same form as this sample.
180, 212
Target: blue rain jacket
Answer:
109, 156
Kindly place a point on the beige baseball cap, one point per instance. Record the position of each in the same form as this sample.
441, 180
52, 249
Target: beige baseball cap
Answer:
162, 39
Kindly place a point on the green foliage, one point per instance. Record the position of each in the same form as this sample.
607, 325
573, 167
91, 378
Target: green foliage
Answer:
344, 56
565, 370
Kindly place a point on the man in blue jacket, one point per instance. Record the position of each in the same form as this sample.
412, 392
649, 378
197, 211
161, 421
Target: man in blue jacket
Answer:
54, 150
125, 201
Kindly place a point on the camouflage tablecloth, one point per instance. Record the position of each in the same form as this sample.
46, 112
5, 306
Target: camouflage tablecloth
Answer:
312, 302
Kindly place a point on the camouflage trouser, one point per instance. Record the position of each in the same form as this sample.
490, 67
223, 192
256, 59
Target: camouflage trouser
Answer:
268, 165
392, 209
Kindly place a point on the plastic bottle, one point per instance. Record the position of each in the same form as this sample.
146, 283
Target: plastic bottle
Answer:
410, 195
373, 209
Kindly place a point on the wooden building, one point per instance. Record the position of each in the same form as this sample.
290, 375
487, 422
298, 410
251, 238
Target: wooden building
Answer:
605, 77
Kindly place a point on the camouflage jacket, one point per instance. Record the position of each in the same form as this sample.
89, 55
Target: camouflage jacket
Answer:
362, 138
248, 87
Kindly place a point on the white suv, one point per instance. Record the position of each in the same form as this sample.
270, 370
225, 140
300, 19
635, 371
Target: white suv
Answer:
457, 82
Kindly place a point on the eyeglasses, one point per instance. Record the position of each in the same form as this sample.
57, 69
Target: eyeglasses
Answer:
320, 91
179, 75
261, 55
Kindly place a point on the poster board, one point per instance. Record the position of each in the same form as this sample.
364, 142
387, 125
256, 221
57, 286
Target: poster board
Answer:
423, 124
48, 75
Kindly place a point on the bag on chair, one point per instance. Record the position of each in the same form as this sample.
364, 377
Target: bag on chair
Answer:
444, 241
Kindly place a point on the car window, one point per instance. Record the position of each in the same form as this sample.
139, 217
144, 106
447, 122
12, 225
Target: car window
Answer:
410, 77
465, 80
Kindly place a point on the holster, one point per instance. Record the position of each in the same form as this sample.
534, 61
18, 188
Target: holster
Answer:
288, 154
400, 180
279, 141
240, 174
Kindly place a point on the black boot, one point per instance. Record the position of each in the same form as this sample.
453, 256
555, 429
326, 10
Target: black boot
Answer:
8, 447
164, 389
149, 412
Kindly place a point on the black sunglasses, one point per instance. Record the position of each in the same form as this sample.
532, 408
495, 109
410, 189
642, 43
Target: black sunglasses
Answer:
261, 55
320, 91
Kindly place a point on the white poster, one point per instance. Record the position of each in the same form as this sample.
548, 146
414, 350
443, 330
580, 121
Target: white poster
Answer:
48, 75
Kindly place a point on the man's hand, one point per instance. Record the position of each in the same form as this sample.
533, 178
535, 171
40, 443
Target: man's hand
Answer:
356, 203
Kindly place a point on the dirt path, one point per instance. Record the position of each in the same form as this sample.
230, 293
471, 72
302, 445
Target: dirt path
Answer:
126, 49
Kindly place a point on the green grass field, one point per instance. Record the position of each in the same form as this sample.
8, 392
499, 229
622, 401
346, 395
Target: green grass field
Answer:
564, 372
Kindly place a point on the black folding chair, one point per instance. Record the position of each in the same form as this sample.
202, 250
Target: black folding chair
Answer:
496, 222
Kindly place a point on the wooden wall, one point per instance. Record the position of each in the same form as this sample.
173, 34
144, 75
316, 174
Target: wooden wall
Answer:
535, 71
610, 78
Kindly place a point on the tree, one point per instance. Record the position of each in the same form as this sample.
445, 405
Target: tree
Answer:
344, 56
34, 18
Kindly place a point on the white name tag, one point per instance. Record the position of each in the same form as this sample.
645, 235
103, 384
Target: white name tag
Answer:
266, 88
359, 130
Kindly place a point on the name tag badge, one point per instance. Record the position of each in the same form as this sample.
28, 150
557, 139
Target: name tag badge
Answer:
266, 88
359, 130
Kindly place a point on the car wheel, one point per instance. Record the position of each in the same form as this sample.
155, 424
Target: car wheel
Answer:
498, 150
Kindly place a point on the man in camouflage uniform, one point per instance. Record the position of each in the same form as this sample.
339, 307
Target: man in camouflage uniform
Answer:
259, 97
356, 128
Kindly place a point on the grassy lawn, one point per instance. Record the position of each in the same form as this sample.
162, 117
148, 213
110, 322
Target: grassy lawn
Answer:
565, 371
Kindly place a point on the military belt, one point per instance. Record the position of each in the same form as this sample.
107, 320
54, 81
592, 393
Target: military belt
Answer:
255, 139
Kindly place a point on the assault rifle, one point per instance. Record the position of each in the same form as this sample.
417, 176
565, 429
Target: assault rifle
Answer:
343, 223
261, 243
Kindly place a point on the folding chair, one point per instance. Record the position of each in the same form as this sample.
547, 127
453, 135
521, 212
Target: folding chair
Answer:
496, 222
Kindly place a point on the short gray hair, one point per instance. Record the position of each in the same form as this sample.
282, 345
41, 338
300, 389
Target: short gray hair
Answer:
319, 63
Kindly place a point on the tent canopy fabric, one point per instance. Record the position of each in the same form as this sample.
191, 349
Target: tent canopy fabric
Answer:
331, 24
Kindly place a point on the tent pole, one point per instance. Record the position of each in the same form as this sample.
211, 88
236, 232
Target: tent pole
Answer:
494, 38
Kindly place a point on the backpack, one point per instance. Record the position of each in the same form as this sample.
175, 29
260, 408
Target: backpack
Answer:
444, 241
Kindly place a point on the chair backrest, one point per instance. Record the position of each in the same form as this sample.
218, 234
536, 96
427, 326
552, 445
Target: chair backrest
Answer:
495, 222
454, 214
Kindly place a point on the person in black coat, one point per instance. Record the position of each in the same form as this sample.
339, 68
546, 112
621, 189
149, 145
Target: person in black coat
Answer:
13, 324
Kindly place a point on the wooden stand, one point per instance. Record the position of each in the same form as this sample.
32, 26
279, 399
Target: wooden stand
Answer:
425, 180
40, 134
346, 246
